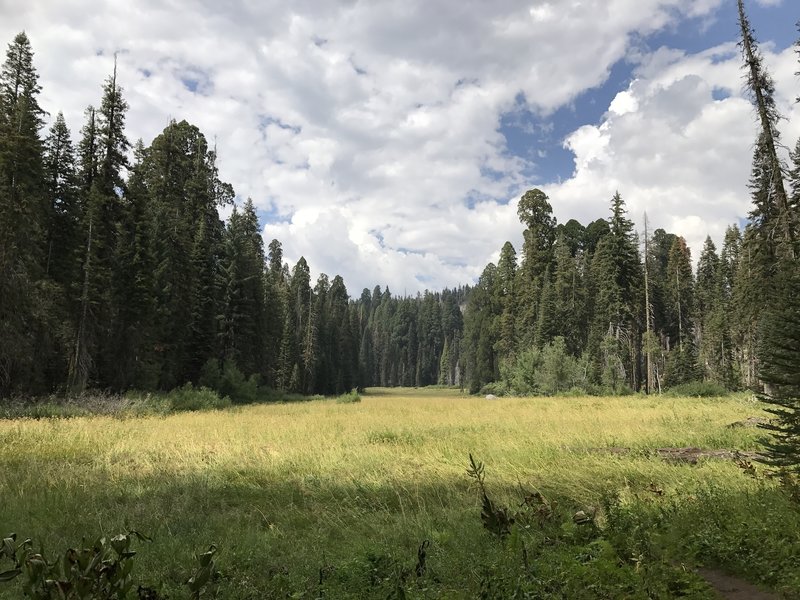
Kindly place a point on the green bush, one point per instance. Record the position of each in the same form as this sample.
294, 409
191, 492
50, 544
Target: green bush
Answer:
550, 371
210, 374
699, 389
102, 570
496, 388
188, 397
240, 389
350, 397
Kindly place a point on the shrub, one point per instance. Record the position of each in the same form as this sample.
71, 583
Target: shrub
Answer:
550, 371
350, 397
236, 386
497, 388
210, 374
699, 389
189, 397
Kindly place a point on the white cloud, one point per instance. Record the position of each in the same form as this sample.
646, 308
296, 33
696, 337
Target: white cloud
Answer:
372, 127
672, 149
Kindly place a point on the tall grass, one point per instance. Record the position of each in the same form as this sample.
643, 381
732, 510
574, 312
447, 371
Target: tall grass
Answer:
299, 496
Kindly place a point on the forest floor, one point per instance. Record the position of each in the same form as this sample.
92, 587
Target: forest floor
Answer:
583, 498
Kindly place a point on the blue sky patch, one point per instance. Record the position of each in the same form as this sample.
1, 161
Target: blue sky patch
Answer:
540, 139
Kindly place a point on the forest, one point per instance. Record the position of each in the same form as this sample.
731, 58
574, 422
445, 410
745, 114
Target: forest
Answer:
118, 273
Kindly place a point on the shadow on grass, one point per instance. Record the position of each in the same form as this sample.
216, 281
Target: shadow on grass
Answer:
306, 534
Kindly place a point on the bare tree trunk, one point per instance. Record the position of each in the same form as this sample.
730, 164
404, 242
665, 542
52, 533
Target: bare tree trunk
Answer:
81, 361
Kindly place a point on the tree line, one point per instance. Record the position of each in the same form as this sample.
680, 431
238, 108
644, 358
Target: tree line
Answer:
602, 307
117, 272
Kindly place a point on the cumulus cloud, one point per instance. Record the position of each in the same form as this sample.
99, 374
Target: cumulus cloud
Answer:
369, 131
677, 144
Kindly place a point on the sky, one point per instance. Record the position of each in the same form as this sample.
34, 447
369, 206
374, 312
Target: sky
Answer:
389, 142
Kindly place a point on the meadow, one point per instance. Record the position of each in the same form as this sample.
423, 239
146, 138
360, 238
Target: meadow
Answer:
373, 500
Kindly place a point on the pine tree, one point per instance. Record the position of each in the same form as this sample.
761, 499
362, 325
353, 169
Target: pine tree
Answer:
133, 285
103, 158
679, 284
23, 303
243, 323
275, 291
771, 212
616, 273
505, 291
712, 337
779, 354
536, 214
184, 191
569, 296
480, 332
61, 181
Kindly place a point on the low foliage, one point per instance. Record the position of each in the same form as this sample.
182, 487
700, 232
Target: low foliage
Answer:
350, 397
189, 398
550, 371
699, 389
99, 571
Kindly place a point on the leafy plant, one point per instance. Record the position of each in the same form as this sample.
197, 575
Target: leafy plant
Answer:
496, 519
350, 397
205, 573
100, 571
188, 398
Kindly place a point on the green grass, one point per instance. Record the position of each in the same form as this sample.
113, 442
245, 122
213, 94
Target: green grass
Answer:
344, 493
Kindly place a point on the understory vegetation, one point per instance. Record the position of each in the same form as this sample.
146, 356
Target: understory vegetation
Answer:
373, 499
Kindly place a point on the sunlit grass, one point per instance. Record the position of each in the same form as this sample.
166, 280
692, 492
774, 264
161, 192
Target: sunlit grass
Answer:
286, 488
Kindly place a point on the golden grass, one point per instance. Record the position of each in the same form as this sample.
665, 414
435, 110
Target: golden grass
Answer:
299, 478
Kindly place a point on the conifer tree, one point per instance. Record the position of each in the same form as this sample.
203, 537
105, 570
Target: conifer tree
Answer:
23, 304
569, 296
103, 155
616, 272
771, 211
133, 285
275, 292
779, 355
536, 214
243, 323
505, 283
711, 322
679, 293
62, 191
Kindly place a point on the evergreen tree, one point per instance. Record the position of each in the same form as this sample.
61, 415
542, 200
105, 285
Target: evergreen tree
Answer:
616, 273
103, 154
712, 331
480, 332
243, 322
133, 285
275, 291
505, 283
679, 286
61, 181
779, 354
23, 302
771, 211
536, 214
569, 297
188, 247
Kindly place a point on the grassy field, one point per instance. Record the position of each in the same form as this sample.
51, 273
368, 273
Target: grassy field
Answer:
325, 499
